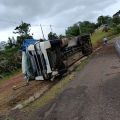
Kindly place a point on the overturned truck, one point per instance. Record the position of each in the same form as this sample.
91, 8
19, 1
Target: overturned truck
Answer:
43, 60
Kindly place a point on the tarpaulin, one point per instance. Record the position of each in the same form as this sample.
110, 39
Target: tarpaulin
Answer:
27, 42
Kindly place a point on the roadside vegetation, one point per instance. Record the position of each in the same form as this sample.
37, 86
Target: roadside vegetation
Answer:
10, 62
99, 35
10, 58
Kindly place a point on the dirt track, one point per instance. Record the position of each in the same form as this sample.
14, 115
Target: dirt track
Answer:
9, 97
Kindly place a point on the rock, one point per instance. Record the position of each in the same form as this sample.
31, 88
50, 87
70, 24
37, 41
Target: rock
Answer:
19, 106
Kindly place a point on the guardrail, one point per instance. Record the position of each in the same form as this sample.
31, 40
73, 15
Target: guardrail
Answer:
117, 46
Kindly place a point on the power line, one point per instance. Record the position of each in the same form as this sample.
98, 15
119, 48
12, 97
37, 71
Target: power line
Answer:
53, 26
37, 25
40, 25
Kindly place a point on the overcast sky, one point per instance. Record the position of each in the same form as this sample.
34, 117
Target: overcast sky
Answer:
59, 13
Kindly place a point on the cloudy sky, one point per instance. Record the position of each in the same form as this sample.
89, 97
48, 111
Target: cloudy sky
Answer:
59, 13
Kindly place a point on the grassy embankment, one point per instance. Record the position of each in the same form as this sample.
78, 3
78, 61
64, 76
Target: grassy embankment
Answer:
99, 35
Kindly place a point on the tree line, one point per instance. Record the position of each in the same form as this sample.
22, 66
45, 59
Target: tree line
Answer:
79, 28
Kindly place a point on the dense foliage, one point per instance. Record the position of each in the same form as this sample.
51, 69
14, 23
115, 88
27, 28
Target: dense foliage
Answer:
52, 36
104, 22
10, 60
81, 28
23, 31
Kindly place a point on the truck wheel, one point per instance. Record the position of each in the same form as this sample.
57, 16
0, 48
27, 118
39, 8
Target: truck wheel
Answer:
87, 49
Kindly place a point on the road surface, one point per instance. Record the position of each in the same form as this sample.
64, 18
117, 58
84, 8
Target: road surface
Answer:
93, 95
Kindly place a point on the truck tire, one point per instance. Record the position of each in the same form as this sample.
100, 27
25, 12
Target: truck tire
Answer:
87, 49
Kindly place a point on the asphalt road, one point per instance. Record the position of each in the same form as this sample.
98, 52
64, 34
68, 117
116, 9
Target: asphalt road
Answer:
93, 95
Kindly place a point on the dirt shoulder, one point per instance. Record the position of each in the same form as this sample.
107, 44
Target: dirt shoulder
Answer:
9, 97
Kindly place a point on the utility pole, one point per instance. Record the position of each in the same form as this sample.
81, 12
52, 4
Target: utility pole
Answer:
42, 32
79, 28
51, 31
51, 28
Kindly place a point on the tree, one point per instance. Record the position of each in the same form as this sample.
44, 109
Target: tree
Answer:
61, 36
117, 14
81, 28
104, 20
23, 29
116, 20
24, 32
116, 23
52, 36
87, 27
73, 31
10, 42
100, 20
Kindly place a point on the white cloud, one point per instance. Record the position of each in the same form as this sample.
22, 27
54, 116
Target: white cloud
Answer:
55, 12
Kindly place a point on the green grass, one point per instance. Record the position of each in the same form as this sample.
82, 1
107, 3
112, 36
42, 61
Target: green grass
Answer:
99, 35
